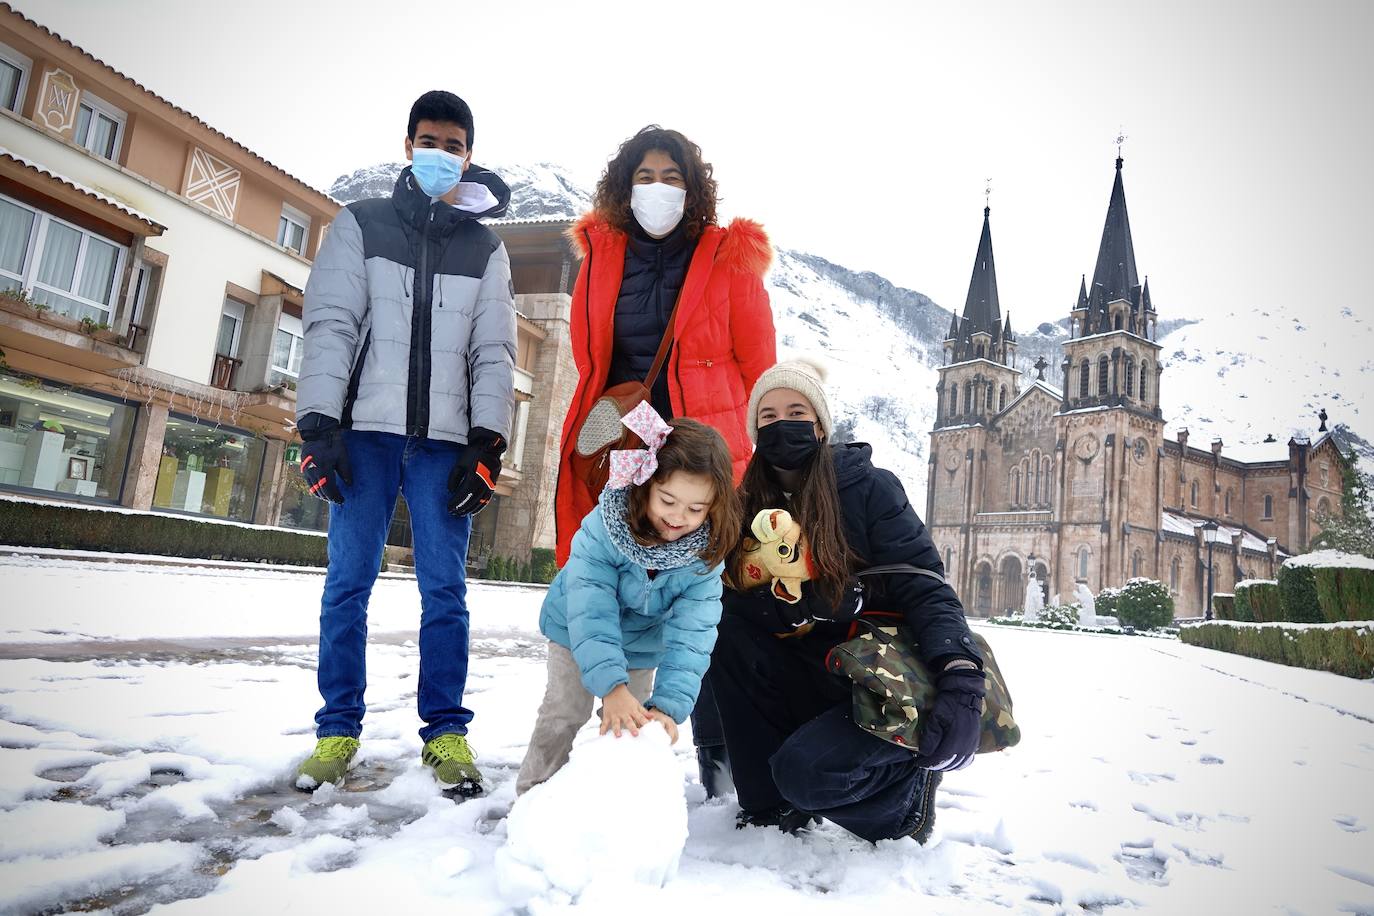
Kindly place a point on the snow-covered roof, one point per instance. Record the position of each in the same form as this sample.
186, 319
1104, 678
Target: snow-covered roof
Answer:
1040, 384
78, 186
1330, 558
1182, 524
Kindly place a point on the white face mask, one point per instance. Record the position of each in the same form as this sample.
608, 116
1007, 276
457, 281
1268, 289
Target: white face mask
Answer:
657, 207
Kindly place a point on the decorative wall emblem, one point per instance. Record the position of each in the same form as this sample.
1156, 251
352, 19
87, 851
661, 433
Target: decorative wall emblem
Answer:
953, 459
213, 183
1142, 448
1086, 447
57, 102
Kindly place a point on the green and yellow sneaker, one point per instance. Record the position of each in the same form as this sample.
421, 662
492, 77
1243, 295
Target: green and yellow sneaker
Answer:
332, 760
452, 762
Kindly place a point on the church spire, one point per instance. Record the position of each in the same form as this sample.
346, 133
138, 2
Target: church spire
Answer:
981, 309
1114, 276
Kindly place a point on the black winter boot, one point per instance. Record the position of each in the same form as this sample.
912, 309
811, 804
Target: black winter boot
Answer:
713, 763
923, 815
784, 817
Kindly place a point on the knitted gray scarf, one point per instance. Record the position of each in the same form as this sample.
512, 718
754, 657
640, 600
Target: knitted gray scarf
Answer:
679, 553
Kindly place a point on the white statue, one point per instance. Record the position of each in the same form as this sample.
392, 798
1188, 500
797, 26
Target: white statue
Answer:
1087, 611
1035, 601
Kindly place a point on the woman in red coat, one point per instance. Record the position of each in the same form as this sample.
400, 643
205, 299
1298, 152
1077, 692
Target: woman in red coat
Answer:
650, 242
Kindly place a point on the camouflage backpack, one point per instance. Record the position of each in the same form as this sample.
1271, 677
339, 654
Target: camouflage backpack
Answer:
893, 687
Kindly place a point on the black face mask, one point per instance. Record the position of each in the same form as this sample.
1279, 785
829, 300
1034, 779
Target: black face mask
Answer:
788, 444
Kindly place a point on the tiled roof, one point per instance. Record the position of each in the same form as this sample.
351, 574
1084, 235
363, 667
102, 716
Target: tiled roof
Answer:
177, 108
89, 192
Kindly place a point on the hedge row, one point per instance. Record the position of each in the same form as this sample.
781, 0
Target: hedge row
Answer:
1257, 601
50, 525
1340, 649
1223, 606
1344, 593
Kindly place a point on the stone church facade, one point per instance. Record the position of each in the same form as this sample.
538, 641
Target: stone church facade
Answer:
1080, 484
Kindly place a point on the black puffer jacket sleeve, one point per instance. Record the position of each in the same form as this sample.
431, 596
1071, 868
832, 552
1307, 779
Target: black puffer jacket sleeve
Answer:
896, 534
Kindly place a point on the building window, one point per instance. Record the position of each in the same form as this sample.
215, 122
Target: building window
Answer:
1192, 500
954, 400
70, 270
968, 397
1083, 373
1002, 405
989, 396
1047, 473
1268, 506
1137, 561
1084, 555
1103, 369
288, 346
1226, 500
293, 229
208, 470
1173, 575
14, 77
61, 441
99, 127
949, 560
1016, 487
1323, 469
1323, 508
1144, 391
230, 328
1130, 377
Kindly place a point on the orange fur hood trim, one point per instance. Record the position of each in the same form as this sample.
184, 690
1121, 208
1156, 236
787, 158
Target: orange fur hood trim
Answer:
745, 247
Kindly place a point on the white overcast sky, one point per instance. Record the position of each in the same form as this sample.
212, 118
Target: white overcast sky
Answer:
860, 131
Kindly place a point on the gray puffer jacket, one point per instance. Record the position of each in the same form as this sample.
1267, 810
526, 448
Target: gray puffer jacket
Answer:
409, 316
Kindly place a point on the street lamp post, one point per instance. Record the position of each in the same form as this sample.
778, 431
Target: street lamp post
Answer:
1209, 528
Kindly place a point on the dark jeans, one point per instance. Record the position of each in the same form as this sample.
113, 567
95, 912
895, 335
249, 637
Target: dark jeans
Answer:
383, 465
706, 728
791, 740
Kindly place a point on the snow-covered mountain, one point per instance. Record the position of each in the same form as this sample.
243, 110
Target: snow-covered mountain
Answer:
1238, 378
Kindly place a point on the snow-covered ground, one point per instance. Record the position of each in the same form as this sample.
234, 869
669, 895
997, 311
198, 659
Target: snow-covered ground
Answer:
150, 718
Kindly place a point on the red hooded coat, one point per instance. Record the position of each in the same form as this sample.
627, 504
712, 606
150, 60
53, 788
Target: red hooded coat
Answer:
722, 343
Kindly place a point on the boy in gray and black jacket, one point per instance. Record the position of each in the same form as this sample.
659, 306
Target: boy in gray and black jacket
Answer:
407, 387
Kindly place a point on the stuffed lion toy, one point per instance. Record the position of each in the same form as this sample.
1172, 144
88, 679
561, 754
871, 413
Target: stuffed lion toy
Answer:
775, 555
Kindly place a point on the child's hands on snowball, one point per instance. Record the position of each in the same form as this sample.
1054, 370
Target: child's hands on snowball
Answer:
620, 709
667, 722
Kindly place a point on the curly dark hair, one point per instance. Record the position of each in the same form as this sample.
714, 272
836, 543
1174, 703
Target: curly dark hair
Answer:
613, 190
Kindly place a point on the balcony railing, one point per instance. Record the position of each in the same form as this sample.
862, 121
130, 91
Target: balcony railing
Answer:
223, 374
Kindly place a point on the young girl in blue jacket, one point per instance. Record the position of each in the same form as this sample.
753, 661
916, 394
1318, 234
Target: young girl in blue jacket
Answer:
641, 591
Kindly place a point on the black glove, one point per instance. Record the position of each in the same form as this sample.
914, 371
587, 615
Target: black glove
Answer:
816, 606
324, 459
954, 724
473, 479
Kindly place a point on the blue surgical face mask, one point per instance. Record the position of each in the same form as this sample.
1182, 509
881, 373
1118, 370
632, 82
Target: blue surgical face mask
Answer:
436, 172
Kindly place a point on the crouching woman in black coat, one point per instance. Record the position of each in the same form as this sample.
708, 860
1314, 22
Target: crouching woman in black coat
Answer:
794, 749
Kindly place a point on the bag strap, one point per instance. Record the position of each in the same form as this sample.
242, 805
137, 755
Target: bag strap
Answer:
663, 345
901, 568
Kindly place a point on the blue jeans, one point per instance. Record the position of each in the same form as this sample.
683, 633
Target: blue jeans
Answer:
383, 465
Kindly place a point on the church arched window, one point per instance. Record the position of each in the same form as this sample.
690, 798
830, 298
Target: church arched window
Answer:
954, 400
1117, 323
1084, 556
1192, 499
1103, 370
1268, 506
980, 351
1227, 501
1046, 472
1137, 561
1144, 382
990, 395
1130, 377
1174, 569
1016, 486
968, 397
1002, 402
1323, 508
1083, 372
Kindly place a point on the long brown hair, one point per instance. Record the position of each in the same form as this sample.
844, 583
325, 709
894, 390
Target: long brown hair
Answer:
693, 448
816, 507
612, 199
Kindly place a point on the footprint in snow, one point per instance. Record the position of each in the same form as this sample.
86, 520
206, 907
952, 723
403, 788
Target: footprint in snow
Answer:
1084, 803
1146, 779
1349, 823
1188, 742
1209, 760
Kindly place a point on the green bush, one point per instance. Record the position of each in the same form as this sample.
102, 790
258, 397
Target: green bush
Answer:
543, 566
1062, 616
1224, 606
1298, 594
49, 525
1105, 604
1144, 604
1257, 601
1338, 648
1345, 592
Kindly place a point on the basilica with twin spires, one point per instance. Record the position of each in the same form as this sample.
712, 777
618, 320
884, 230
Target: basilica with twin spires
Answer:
1080, 485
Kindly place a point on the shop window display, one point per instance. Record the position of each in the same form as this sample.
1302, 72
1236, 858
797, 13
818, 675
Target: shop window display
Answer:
208, 470
62, 441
